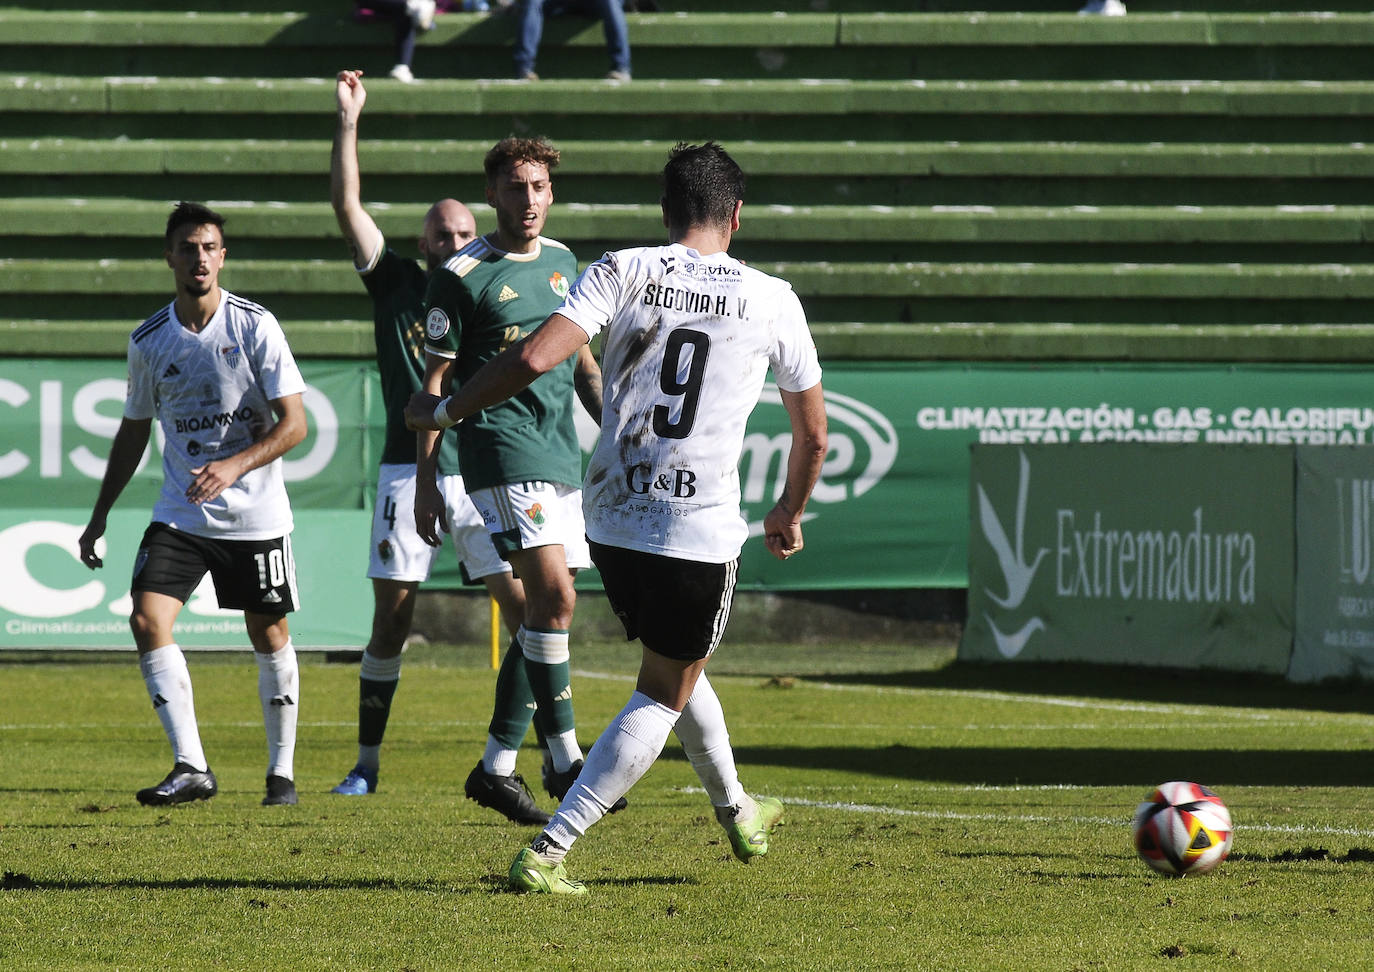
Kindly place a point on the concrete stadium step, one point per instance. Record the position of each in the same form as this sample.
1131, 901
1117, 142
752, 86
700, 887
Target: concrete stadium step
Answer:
911, 292
139, 222
817, 173
342, 337
773, 110
693, 45
1137, 7
172, 156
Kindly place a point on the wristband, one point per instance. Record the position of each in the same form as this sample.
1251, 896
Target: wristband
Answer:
441, 416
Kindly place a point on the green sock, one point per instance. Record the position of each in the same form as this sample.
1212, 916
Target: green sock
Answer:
510, 716
547, 666
377, 681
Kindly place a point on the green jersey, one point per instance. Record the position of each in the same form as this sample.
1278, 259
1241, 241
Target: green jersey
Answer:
397, 288
481, 301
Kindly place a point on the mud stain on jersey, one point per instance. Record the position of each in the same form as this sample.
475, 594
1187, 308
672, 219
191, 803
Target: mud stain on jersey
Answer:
638, 345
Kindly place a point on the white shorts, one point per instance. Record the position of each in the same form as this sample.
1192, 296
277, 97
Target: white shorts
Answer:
521, 516
399, 554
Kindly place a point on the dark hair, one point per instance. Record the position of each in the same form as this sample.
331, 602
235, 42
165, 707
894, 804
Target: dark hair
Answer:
512, 150
192, 214
701, 185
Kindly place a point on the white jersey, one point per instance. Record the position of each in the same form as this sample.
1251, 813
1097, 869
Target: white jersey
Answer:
688, 342
211, 394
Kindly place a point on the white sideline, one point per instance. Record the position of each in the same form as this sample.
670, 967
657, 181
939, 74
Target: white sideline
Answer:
1123, 821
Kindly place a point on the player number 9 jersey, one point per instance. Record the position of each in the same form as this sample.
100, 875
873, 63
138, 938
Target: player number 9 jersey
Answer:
687, 341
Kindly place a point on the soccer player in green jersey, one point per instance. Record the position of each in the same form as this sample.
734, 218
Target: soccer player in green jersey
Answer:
520, 459
399, 560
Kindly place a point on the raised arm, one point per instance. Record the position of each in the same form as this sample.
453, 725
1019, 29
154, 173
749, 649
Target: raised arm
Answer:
782, 531
345, 182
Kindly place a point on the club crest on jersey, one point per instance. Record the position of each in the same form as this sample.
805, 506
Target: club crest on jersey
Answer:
436, 324
231, 355
385, 551
536, 513
559, 284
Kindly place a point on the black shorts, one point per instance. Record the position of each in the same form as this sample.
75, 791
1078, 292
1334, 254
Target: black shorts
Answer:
249, 575
677, 608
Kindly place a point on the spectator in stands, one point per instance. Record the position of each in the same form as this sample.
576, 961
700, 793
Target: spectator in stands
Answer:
611, 13
408, 17
1104, 8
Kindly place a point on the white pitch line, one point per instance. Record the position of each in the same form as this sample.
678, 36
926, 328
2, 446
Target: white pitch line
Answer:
1125, 821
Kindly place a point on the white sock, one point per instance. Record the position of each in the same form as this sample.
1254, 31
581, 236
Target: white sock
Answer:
497, 759
706, 741
376, 669
279, 691
169, 686
622, 755
563, 748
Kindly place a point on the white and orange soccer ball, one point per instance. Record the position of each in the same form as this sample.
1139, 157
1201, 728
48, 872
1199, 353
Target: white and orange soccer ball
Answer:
1182, 828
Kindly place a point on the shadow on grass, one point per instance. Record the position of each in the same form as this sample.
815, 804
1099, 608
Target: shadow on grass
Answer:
1129, 683
1089, 766
1360, 855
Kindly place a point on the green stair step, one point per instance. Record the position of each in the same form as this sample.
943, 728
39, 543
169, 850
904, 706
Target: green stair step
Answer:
457, 99
913, 280
134, 219
839, 341
1137, 7
693, 29
738, 44
72, 156
220, 30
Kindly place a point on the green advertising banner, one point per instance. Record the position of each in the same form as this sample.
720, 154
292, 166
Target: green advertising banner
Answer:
48, 599
1334, 634
1165, 555
890, 510
57, 419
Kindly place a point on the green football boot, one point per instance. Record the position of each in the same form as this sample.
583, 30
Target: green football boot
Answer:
749, 835
530, 873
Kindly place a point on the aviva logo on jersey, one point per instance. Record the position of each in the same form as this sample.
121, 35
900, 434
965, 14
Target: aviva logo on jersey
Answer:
506, 294
559, 284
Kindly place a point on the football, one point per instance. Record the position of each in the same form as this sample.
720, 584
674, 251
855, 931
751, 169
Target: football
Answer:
1182, 828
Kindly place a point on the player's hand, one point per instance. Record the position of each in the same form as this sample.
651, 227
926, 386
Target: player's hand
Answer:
350, 93
86, 545
420, 412
211, 479
782, 533
431, 519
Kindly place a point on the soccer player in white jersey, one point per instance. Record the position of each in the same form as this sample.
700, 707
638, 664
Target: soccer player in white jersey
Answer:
216, 372
689, 334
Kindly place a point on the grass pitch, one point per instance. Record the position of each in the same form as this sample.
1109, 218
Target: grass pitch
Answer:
939, 817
